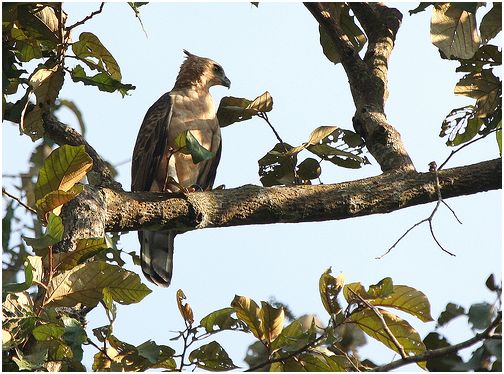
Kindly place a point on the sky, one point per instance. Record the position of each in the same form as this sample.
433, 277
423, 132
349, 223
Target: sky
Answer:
275, 48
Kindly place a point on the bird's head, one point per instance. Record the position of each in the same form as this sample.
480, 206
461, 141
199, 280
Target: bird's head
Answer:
201, 72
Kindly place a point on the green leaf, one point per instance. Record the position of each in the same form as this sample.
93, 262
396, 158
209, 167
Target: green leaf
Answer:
18, 316
329, 289
189, 144
498, 136
46, 84
52, 235
7, 225
293, 337
453, 31
486, 55
222, 320
212, 357
89, 46
480, 315
406, 335
20, 287
272, 321
249, 312
149, 350
64, 167
31, 362
56, 199
85, 283
420, 8
74, 335
382, 289
48, 331
483, 86
309, 169
237, 109
84, 250
101, 80
276, 167
491, 24
451, 311
445, 363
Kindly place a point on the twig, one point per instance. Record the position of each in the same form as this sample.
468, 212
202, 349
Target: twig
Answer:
435, 170
18, 200
83, 21
391, 336
427, 355
264, 116
465, 145
90, 342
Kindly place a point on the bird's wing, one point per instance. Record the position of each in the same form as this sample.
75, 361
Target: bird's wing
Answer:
151, 144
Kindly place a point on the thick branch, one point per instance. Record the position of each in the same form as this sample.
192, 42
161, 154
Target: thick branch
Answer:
247, 205
368, 78
63, 134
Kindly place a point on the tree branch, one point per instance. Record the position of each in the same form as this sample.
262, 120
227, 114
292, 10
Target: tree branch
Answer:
443, 351
368, 78
251, 204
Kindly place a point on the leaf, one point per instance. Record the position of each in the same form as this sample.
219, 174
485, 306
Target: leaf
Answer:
31, 362
52, 235
406, 335
46, 84
85, 283
480, 315
309, 169
101, 80
212, 357
64, 167
329, 289
85, 249
272, 321
276, 167
293, 337
382, 289
18, 317
453, 31
31, 123
451, 311
237, 109
7, 225
48, 331
340, 13
70, 105
149, 350
498, 136
444, 363
184, 308
54, 200
491, 24
74, 336
485, 55
420, 8
483, 86
249, 312
89, 46
20, 287
222, 320
316, 137
189, 144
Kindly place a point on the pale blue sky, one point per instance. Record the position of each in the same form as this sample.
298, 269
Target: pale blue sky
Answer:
276, 48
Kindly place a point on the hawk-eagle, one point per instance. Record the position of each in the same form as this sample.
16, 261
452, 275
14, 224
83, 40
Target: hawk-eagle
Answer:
156, 164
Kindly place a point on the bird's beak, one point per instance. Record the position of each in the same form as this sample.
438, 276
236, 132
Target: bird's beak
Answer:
226, 82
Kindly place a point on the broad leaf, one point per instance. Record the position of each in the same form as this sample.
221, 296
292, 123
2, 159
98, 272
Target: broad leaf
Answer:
101, 80
52, 235
48, 331
276, 167
74, 336
85, 249
222, 320
212, 357
491, 24
18, 316
406, 335
309, 169
64, 167
237, 109
293, 337
188, 144
480, 315
483, 86
85, 283
20, 287
451, 311
329, 289
184, 307
453, 31
46, 84
272, 321
7, 224
444, 363
54, 200
249, 312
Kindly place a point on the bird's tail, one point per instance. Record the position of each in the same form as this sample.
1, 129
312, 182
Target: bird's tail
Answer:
156, 252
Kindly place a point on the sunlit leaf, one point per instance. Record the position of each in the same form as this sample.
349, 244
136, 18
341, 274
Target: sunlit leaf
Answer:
293, 337
272, 321
46, 84
32, 123
55, 199
18, 316
406, 335
48, 331
70, 105
212, 357
249, 312
85, 283
329, 289
184, 307
101, 80
64, 167
85, 249
483, 86
453, 31
383, 289
237, 109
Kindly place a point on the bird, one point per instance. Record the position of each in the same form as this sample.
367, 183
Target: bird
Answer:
156, 164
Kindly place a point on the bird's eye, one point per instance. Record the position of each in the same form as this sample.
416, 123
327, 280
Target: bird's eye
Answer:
217, 68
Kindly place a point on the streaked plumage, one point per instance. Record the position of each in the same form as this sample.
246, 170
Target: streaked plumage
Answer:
188, 106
